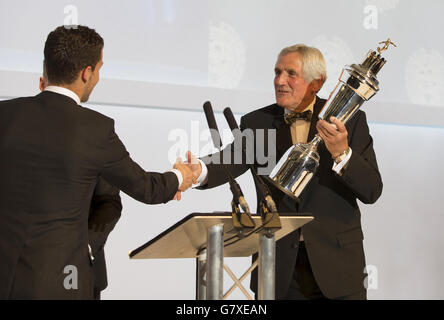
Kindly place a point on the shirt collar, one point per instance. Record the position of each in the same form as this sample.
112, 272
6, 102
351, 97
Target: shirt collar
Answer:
65, 92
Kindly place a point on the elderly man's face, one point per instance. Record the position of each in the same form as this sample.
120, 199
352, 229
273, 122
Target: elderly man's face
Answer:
291, 89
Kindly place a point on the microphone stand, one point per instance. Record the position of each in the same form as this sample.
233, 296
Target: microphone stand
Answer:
241, 220
267, 207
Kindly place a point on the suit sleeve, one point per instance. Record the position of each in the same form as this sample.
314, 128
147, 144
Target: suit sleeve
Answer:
121, 171
361, 174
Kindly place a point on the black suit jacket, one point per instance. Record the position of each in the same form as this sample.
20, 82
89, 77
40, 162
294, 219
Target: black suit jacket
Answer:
105, 211
52, 153
334, 239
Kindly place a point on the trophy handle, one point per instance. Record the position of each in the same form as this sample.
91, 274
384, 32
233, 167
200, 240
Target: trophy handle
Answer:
337, 84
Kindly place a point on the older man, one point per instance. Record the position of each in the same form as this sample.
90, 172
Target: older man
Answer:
325, 258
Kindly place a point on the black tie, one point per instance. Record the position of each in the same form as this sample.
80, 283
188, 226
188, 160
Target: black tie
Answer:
290, 118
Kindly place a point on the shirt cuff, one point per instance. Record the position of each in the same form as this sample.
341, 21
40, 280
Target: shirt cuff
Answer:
179, 176
91, 256
337, 167
203, 178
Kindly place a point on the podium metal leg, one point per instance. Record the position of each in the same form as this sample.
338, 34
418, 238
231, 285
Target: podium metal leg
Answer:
215, 254
201, 286
267, 254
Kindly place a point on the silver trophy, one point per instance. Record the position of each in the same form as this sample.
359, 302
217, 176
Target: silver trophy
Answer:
357, 84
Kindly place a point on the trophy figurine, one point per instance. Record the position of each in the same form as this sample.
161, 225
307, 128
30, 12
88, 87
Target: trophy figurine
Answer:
357, 84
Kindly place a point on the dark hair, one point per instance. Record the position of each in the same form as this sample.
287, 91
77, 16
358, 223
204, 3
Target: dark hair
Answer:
70, 49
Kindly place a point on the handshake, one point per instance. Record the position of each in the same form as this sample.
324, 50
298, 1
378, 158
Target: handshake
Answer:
190, 171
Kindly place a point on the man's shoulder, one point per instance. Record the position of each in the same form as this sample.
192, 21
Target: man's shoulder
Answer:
63, 105
17, 101
358, 119
271, 110
11, 107
93, 114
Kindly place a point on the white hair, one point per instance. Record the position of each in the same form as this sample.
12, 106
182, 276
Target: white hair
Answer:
313, 63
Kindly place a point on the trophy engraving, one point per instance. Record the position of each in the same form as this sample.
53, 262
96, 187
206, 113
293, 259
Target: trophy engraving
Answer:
357, 84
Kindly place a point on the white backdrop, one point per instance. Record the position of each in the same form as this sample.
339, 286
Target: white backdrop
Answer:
163, 59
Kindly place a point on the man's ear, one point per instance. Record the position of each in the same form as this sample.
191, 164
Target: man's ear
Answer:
86, 74
42, 84
317, 84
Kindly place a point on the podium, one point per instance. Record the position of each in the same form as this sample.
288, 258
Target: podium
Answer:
209, 237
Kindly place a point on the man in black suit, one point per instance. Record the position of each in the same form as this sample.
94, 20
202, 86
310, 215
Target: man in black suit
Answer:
104, 212
325, 259
53, 153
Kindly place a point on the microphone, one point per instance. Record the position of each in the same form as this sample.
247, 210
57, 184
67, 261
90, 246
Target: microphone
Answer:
267, 203
240, 220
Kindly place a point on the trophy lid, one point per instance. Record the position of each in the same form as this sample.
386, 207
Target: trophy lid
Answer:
366, 71
373, 62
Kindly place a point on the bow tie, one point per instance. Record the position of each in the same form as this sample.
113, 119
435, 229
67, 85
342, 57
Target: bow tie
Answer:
290, 118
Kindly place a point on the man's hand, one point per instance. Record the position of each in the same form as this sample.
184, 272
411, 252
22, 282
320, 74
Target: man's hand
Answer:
194, 165
178, 196
187, 175
334, 136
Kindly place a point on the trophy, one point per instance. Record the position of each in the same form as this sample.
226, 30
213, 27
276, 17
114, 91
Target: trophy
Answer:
357, 84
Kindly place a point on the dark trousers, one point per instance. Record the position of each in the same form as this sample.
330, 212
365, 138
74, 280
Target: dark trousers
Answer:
303, 285
97, 293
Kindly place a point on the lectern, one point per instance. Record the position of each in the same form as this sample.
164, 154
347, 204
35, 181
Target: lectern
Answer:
209, 237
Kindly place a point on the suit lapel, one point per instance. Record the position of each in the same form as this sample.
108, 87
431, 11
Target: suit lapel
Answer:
283, 133
314, 119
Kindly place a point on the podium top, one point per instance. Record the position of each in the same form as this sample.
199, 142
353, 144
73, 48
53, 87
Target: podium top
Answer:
188, 237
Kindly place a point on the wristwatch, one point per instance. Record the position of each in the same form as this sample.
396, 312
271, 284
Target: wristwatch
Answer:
342, 156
